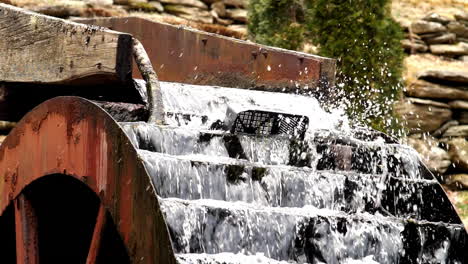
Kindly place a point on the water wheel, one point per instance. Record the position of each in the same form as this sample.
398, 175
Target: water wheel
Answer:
232, 176
76, 192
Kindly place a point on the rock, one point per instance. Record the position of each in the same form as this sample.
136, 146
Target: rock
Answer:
436, 159
422, 117
241, 29
442, 39
236, 3
427, 102
431, 35
442, 76
209, 2
457, 181
459, 104
147, 7
450, 50
440, 131
157, 6
130, 2
421, 27
6, 126
463, 117
425, 89
224, 21
465, 40
464, 58
457, 131
434, 17
58, 11
412, 36
219, 8
190, 13
416, 136
464, 22
463, 16
458, 151
458, 28
99, 2
197, 18
237, 14
103, 12
2, 138
191, 3
413, 46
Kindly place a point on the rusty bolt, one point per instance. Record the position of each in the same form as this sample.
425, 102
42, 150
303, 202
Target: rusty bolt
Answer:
254, 55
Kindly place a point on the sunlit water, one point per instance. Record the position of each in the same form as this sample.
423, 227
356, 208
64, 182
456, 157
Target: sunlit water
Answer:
337, 195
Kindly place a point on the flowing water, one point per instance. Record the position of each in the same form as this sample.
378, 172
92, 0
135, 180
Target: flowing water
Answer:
334, 195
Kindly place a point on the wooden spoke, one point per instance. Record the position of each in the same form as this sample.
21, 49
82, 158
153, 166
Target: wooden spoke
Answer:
97, 236
26, 232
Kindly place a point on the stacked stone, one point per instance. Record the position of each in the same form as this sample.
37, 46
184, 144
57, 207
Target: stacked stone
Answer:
222, 14
436, 112
229, 13
439, 35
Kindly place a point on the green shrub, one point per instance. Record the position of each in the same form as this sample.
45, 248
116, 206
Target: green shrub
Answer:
366, 42
276, 23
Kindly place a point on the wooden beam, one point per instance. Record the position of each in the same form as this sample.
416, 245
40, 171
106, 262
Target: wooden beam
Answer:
93, 252
41, 49
190, 56
26, 232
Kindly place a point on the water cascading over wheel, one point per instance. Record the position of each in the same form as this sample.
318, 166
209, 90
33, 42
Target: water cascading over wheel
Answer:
231, 176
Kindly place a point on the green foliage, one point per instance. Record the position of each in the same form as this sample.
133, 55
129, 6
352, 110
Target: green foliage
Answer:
363, 38
366, 42
276, 23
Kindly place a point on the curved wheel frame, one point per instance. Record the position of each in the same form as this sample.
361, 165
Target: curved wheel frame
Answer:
73, 136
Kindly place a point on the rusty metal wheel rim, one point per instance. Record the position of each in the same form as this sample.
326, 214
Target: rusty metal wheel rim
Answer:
75, 137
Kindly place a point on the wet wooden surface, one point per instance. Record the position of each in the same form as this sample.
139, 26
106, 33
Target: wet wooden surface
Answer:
41, 49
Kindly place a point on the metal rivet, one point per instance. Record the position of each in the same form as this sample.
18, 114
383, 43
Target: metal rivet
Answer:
254, 54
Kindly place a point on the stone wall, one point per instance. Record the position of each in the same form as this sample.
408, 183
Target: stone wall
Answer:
435, 103
226, 17
439, 35
230, 13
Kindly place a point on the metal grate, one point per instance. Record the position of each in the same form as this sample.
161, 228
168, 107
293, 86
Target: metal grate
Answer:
270, 123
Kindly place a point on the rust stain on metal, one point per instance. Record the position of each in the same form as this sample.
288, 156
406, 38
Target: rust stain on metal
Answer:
103, 158
196, 57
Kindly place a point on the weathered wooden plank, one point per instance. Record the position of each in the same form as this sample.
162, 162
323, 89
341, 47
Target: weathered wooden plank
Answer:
186, 55
41, 49
96, 240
